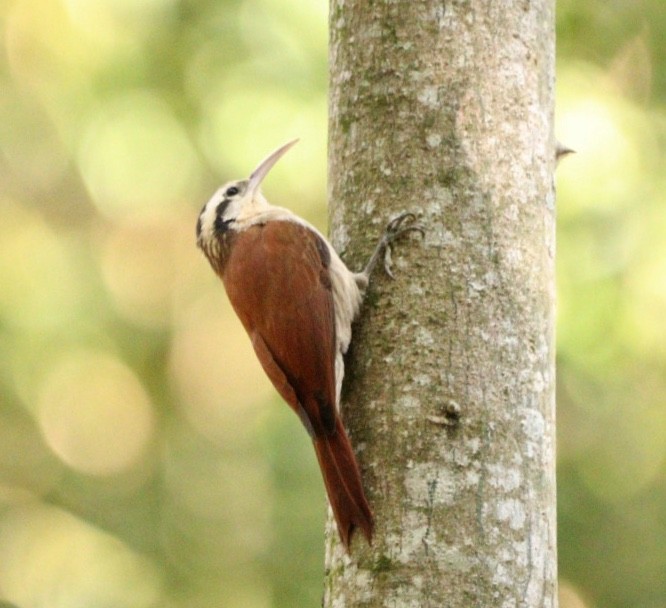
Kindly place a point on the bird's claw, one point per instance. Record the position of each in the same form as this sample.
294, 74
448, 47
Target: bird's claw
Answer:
402, 224
395, 227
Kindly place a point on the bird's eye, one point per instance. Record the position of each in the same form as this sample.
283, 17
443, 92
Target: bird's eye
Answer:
232, 191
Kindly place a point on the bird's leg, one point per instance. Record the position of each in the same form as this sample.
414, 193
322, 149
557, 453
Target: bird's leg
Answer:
394, 229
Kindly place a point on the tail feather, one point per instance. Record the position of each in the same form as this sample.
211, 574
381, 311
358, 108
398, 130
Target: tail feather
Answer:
344, 487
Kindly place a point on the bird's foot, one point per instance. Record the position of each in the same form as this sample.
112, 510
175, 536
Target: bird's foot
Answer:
397, 227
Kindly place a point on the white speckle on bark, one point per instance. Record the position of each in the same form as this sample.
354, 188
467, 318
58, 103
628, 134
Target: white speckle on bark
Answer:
341, 240
505, 478
407, 402
534, 425
360, 446
422, 380
360, 577
473, 444
484, 335
514, 257
472, 478
368, 207
402, 597
433, 140
513, 511
538, 384
408, 542
428, 96
550, 201
456, 559
502, 576
424, 337
429, 485
511, 213
438, 198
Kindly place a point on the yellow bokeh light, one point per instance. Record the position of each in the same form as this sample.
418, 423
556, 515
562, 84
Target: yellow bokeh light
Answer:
135, 157
569, 596
301, 173
94, 414
607, 158
38, 37
37, 271
92, 11
612, 140
217, 375
140, 267
589, 125
29, 142
51, 558
645, 293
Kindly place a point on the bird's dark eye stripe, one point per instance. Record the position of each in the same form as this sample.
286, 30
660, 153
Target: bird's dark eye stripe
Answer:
220, 209
221, 225
232, 191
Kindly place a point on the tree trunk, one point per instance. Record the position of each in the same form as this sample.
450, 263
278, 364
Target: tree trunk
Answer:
445, 108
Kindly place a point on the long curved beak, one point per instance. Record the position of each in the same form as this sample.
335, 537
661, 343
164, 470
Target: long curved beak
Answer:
266, 165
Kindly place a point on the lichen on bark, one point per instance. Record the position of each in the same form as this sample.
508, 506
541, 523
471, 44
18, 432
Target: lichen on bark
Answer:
445, 108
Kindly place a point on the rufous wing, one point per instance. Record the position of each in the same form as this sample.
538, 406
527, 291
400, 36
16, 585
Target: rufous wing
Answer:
277, 280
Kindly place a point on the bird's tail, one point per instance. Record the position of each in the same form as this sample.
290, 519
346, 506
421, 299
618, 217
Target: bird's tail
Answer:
342, 478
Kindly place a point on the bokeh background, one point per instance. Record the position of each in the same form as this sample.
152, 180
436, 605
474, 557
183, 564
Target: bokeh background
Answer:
145, 461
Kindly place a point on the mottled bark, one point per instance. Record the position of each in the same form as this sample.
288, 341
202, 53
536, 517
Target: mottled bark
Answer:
445, 108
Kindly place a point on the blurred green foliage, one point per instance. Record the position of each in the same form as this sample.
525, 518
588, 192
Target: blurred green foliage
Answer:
145, 460
611, 94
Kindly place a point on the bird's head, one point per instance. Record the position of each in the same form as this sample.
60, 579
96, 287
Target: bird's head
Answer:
235, 201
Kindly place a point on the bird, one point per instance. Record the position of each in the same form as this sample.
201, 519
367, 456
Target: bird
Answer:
296, 300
